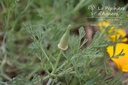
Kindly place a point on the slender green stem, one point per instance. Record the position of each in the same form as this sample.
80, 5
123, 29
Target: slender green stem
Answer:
55, 68
46, 77
3, 62
57, 61
49, 81
78, 5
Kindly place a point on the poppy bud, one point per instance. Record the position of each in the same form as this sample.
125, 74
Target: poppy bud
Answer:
63, 44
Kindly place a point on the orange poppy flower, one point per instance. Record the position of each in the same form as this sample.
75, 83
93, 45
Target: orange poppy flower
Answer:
122, 61
118, 33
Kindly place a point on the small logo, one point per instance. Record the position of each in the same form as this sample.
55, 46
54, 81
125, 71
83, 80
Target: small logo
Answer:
92, 7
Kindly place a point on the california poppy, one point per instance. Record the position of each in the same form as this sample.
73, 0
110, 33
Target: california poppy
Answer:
117, 33
122, 61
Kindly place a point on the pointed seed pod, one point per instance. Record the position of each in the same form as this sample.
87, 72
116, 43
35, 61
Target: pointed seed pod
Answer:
63, 44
